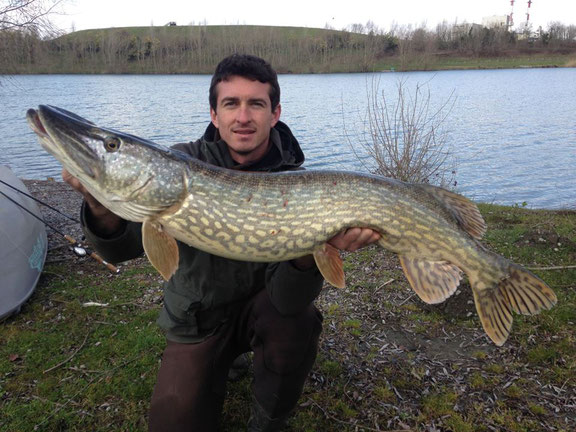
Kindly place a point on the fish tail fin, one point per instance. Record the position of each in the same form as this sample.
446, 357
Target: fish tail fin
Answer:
514, 290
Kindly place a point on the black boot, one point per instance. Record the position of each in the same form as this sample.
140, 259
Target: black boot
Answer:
260, 421
240, 367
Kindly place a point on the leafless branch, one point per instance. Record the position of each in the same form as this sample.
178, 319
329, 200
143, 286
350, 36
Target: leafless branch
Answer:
27, 14
405, 135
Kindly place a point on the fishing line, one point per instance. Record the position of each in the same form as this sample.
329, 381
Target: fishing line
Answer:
16, 247
39, 201
77, 248
32, 214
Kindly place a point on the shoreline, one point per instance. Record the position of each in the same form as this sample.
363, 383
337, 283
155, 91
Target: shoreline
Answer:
570, 64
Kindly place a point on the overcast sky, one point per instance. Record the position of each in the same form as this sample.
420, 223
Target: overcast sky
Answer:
88, 14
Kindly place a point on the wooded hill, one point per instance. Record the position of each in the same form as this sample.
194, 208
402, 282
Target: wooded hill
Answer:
198, 48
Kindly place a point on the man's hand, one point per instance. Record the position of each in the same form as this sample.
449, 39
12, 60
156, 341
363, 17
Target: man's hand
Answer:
104, 222
349, 240
354, 238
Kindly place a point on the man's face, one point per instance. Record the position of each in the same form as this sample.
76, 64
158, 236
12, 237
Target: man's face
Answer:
244, 117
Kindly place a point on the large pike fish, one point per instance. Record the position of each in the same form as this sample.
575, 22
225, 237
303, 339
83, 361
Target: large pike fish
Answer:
280, 216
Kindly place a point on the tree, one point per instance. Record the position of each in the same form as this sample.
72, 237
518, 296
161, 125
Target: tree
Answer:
27, 14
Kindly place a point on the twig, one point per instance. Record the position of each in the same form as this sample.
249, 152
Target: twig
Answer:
553, 268
91, 381
95, 304
45, 272
408, 298
69, 358
388, 282
331, 417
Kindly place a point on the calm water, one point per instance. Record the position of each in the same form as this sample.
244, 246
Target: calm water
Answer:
513, 131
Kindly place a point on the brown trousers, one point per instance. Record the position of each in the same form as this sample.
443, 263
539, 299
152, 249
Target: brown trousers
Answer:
191, 383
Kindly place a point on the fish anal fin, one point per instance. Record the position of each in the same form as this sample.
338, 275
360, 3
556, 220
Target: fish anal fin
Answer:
464, 210
161, 248
433, 281
329, 263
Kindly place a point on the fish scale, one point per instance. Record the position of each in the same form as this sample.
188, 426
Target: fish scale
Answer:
288, 214
282, 216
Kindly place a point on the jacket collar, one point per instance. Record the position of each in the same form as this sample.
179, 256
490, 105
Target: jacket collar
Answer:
284, 153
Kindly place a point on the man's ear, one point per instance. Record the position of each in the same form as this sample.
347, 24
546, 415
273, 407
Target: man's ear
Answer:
276, 116
214, 117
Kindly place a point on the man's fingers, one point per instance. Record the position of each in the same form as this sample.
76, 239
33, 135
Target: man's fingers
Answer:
354, 238
94, 205
73, 181
359, 237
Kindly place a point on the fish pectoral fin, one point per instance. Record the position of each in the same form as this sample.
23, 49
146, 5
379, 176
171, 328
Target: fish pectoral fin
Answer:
161, 248
433, 281
329, 263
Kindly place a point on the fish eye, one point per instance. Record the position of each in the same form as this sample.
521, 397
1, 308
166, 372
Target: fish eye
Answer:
112, 144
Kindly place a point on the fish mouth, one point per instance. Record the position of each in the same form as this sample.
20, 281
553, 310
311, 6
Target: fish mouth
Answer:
67, 137
35, 123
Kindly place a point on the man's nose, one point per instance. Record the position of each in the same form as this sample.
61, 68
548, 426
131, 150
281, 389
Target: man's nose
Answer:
243, 114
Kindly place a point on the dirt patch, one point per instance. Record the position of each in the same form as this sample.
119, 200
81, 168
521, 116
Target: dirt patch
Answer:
545, 238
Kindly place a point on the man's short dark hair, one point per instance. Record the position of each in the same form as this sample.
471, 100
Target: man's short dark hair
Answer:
249, 67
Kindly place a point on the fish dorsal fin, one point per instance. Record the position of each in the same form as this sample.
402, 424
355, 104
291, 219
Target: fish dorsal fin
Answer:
464, 210
161, 248
433, 281
329, 263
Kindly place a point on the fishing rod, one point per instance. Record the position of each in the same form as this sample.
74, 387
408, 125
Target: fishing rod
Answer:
77, 248
39, 201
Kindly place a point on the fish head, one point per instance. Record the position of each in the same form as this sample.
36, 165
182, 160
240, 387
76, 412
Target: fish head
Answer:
133, 177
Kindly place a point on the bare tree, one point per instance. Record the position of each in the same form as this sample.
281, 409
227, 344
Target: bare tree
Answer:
27, 14
407, 140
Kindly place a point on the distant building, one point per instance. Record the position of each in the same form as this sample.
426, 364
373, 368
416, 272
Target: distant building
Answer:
495, 21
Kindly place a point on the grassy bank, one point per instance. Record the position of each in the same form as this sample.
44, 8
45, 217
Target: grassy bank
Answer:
455, 62
387, 361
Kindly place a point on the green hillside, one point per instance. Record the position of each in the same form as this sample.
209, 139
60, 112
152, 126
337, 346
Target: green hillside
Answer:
198, 48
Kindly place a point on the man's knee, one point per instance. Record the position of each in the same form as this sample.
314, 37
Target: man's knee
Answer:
290, 342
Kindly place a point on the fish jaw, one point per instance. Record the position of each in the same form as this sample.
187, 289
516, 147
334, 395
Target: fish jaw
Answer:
77, 155
132, 177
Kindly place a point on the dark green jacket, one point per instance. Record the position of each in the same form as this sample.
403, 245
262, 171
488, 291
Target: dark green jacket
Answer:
207, 289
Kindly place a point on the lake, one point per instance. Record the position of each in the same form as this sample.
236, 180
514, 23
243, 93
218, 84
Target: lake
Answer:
513, 132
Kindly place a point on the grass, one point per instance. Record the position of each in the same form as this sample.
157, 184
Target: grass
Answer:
457, 62
387, 361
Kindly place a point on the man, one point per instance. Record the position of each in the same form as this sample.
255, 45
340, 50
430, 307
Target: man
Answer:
216, 309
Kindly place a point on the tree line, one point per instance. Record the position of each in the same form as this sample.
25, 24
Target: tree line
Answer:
198, 48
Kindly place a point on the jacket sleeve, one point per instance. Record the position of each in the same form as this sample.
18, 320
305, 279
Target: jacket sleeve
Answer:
125, 245
292, 290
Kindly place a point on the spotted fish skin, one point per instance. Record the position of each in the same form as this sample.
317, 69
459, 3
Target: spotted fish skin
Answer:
272, 217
